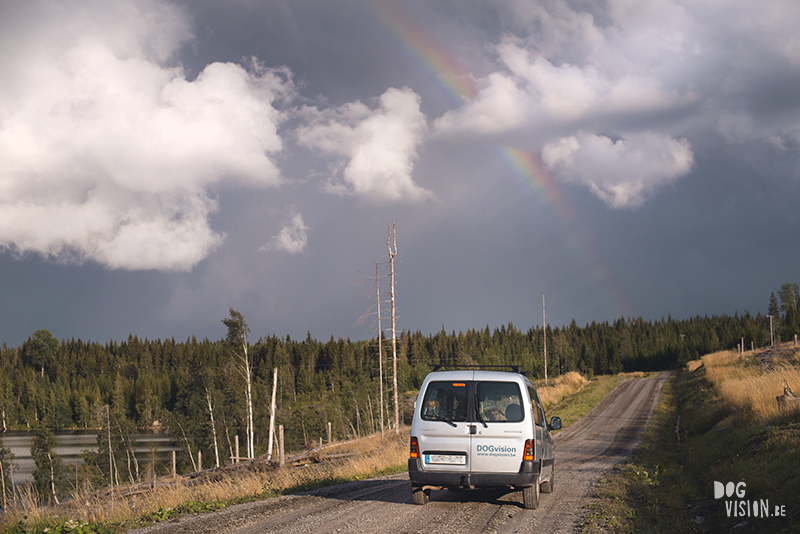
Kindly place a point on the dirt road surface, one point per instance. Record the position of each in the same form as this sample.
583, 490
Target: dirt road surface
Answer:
584, 452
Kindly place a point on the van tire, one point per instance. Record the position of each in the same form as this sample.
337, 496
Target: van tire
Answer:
419, 495
530, 496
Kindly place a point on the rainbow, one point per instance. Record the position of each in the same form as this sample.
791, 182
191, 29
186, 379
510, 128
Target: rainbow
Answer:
527, 166
448, 72
456, 81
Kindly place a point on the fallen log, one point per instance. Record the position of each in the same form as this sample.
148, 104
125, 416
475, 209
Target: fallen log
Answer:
787, 400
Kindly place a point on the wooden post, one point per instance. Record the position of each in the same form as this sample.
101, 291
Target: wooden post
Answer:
199, 460
281, 455
329, 433
237, 448
174, 466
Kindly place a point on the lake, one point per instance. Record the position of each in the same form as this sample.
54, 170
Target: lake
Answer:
72, 442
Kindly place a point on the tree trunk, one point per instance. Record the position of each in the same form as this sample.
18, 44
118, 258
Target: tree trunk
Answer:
251, 448
3, 482
52, 478
272, 413
380, 344
213, 425
391, 242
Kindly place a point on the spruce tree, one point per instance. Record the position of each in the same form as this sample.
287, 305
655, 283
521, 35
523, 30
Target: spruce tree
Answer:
6, 469
49, 476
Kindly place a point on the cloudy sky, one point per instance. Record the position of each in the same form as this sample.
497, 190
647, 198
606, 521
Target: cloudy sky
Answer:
162, 162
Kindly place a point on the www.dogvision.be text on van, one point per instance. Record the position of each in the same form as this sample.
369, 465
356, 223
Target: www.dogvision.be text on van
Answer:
481, 429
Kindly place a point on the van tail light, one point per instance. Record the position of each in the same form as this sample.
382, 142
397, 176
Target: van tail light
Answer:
530, 450
414, 453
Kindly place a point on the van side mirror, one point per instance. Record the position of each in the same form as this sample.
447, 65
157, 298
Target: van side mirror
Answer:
555, 423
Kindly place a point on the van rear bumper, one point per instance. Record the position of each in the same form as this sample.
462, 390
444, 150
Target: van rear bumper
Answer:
527, 476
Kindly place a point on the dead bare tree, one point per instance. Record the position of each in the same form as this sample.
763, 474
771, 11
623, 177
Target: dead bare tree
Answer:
380, 342
213, 425
272, 414
391, 243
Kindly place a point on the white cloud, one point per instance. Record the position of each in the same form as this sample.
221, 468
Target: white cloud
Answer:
380, 146
646, 72
499, 106
623, 173
293, 237
107, 150
537, 94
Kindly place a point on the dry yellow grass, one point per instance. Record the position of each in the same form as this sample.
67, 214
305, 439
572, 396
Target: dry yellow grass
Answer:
745, 388
560, 387
374, 455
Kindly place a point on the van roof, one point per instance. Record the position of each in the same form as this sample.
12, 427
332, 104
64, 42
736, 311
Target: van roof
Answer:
479, 374
514, 368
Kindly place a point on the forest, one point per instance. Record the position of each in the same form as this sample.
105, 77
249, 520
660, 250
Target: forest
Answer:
197, 389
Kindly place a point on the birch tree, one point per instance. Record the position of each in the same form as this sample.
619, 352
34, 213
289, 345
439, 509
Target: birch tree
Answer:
237, 341
213, 424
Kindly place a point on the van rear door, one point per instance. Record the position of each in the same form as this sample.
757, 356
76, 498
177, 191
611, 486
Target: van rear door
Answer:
444, 438
498, 442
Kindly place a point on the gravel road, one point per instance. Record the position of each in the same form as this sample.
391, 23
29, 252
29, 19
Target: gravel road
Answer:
584, 452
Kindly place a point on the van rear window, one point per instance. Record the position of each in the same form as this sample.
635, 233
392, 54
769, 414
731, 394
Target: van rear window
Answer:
500, 401
445, 401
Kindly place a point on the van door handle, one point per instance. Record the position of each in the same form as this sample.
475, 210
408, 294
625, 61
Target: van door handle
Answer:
473, 429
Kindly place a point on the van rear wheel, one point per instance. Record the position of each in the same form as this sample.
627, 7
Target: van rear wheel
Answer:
530, 496
419, 495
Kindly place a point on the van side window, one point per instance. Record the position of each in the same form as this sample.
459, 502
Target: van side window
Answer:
445, 401
541, 409
536, 407
500, 401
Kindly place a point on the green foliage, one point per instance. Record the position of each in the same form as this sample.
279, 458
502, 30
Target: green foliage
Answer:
43, 347
71, 526
74, 526
337, 381
6, 465
191, 507
49, 474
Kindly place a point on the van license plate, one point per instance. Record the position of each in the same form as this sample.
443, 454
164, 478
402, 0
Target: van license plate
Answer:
453, 459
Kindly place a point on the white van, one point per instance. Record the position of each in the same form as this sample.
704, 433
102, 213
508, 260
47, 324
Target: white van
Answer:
478, 429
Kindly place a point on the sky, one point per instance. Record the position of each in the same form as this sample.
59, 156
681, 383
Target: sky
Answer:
164, 161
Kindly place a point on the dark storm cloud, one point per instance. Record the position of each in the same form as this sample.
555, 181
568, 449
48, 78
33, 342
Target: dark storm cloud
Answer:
250, 154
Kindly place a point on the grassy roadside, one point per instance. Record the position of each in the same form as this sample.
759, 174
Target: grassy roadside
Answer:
729, 430
370, 457
570, 396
